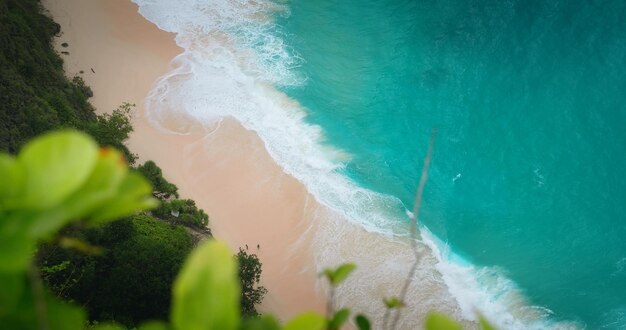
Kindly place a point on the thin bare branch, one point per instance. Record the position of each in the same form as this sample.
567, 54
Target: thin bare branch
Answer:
413, 227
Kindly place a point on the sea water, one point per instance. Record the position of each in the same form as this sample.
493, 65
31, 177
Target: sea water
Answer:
527, 190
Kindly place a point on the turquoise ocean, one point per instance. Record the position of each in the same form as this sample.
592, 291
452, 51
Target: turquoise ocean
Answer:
528, 175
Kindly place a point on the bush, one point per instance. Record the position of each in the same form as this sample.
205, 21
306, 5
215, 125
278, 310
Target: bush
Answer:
163, 189
113, 129
182, 211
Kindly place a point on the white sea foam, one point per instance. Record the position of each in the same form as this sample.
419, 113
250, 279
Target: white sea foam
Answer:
233, 61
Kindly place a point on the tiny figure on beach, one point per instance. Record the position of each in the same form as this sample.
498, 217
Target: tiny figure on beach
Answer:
246, 246
258, 246
92, 70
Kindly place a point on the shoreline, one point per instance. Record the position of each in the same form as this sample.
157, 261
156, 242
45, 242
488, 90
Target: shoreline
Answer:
228, 172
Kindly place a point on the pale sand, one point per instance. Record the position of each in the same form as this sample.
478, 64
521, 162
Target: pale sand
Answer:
228, 173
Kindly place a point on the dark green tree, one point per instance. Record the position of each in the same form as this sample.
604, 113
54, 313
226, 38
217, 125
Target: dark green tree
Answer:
163, 189
112, 129
252, 292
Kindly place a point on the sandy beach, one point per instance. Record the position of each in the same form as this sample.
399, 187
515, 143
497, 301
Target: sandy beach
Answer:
227, 171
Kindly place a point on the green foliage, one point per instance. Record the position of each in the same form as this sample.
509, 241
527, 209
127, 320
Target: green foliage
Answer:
362, 322
35, 95
338, 275
206, 295
340, 317
393, 303
438, 321
252, 292
484, 323
56, 179
306, 321
37, 199
265, 322
112, 129
182, 211
154, 325
106, 326
132, 280
163, 189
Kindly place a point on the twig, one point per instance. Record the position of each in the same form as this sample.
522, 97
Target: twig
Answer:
330, 307
414, 217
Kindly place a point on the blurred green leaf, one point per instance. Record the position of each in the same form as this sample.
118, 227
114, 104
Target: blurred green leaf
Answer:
63, 316
16, 248
134, 194
108, 326
338, 319
104, 189
393, 302
306, 321
438, 321
362, 322
206, 292
101, 187
55, 165
11, 290
342, 272
484, 323
338, 275
154, 325
107, 174
11, 180
265, 322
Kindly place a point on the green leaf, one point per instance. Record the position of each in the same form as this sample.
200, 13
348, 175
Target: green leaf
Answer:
206, 292
306, 321
134, 194
11, 180
99, 189
55, 165
484, 324
63, 316
108, 326
362, 322
154, 325
338, 275
265, 322
108, 173
342, 272
11, 290
338, 319
393, 302
438, 321
16, 248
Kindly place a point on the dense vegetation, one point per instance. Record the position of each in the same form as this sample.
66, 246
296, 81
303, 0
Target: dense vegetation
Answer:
127, 272
35, 95
162, 188
130, 280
